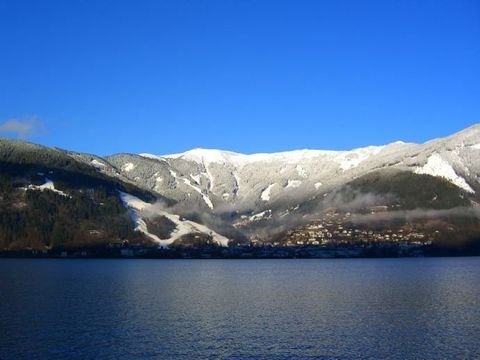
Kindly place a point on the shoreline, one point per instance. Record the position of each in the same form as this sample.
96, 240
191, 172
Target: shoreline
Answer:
243, 253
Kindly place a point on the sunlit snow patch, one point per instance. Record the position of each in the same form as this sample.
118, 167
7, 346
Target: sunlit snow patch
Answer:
49, 185
137, 206
293, 183
97, 164
196, 178
151, 156
301, 171
351, 159
265, 196
267, 214
436, 166
197, 189
128, 167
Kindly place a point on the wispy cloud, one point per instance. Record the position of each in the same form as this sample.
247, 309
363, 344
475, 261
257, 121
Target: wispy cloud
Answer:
23, 127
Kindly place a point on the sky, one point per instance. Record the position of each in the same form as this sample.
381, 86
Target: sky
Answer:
249, 76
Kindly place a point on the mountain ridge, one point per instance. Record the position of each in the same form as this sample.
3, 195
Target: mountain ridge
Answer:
214, 151
245, 196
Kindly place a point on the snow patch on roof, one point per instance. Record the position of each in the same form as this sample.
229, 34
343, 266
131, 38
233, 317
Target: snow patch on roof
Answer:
437, 166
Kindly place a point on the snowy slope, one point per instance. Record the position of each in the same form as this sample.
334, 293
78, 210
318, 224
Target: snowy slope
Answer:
216, 181
437, 166
139, 209
48, 185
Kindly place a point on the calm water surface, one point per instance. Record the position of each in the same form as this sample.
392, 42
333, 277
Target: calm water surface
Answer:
240, 309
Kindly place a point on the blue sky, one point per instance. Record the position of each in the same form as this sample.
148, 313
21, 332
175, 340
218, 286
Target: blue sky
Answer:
248, 76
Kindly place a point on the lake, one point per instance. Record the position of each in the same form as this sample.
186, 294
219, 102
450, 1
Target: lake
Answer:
411, 308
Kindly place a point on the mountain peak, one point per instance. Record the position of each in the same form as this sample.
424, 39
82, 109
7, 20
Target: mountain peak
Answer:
205, 156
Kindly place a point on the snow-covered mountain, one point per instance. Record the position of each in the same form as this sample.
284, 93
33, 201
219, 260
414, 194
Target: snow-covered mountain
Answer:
242, 189
218, 181
233, 193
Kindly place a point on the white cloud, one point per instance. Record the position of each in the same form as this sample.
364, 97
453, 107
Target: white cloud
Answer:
22, 127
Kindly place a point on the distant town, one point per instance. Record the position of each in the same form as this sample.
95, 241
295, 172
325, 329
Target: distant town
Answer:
336, 228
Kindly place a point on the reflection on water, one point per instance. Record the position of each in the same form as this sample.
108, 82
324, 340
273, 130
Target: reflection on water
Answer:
272, 309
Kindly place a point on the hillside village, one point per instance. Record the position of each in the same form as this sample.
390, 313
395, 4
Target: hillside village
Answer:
339, 228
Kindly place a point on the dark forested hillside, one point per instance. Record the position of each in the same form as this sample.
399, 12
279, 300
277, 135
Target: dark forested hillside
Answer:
84, 208
82, 216
412, 191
